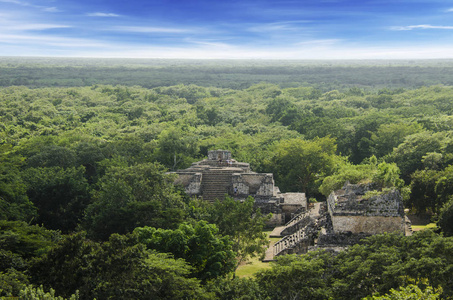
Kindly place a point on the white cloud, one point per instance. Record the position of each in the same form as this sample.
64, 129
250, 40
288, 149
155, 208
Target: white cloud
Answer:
225, 51
101, 14
140, 29
51, 9
279, 26
325, 42
316, 49
31, 26
46, 40
23, 3
13, 1
412, 27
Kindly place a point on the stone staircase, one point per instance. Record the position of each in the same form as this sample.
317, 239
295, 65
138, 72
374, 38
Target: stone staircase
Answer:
216, 183
297, 222
289, 242
298, 234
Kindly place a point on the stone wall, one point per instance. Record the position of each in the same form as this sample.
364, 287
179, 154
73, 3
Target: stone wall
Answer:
340, 239
253, 184
350, 212
219, 155
348, 203
368, 224
191, 182
271, 207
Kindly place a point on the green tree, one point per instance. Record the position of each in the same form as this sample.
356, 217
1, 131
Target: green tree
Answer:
130, 197
200, 245
121, 268
27, 241
388, 175
235, 289
359, 144
61, 195
14, 202
243, 224
347, 172
423, 186
32, 293
389, 136
53, 156
300, 165
444, 187
374, 266
12, 282
409, 154
445, 221
175, 148
294, 277
409, 292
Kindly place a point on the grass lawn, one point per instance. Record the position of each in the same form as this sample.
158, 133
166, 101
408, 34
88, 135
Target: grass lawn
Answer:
254, 265
421, 227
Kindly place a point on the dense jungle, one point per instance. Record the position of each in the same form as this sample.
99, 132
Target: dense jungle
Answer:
88, 210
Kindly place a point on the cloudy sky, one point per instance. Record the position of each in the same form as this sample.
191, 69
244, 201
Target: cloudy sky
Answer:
285, 29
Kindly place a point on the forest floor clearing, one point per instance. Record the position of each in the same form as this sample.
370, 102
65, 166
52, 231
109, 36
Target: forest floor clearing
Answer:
249, 268
422, 227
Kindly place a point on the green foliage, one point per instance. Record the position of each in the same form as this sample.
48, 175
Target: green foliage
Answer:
120, 268
390, 261
87, 150
61, 195
12, 282
32, 293
445, 221
388, 175
423, 196
431, 189
243, 224
24, 240
176, 149
294, 277
410, 292
444, 186
235, 289
130, 197
409, 155
200, 245
299, 165
14, 203
347, 172
53, 156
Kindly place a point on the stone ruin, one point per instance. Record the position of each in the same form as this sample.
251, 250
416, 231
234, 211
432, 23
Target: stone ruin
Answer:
220, 175
351, 212
352, 216
343, 220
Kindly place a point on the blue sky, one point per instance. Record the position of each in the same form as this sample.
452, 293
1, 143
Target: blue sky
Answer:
286, 29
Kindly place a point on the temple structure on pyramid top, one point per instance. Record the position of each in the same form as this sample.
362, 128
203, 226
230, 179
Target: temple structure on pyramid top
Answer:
220, 175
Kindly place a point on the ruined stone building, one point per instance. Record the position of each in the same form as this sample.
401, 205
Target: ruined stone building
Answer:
220, 175
352, 215
348, 216
351, 211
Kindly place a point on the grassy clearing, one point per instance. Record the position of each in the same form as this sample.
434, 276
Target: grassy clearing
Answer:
254, 265
422, 227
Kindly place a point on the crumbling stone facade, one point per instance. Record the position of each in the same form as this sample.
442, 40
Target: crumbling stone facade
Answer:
351, 212
221, 175
343, 220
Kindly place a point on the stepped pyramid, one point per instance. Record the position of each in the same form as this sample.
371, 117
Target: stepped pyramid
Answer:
220, 175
